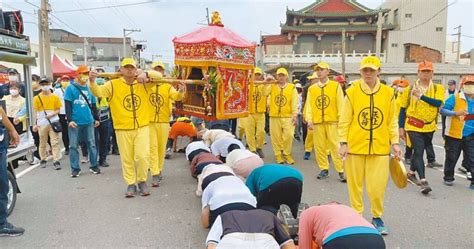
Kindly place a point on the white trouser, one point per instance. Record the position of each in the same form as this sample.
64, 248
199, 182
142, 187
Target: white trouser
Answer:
248, 241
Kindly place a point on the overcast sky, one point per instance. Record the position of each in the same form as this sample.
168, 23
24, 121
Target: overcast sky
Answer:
160, 21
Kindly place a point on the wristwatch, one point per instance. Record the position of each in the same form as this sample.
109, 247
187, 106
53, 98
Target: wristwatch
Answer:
343, 143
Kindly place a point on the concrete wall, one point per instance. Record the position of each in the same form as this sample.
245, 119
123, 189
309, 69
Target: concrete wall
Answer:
407, 31
283, 49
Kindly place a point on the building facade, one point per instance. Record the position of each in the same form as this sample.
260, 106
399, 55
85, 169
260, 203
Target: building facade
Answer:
105, 52
315, 33
397, 31
420, 30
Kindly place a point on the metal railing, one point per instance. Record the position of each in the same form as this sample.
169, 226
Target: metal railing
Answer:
314, 58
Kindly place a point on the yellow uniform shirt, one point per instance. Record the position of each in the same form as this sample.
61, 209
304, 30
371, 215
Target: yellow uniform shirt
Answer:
129, 104
161, 100
50, 103
421, 110
257, 99
368, 123
324, 103
283, 101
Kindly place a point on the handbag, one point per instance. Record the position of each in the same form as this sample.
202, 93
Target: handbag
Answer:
56, 126
416, 122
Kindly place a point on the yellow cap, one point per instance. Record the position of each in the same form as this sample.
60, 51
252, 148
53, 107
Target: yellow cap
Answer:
313, 76
257, 70
128, 61
282, 70
322, 65
371, 62
296, 81
158, 64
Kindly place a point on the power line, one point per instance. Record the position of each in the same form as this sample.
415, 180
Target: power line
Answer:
468, 36
120, 10
97, 24
32, 4
16, 9
107, 7
65, 24
431, 18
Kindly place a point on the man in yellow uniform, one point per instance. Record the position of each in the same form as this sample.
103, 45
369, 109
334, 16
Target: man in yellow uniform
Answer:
255, 122
322, 110
367, 129
128, 100
283, 113
161, 98
419, 106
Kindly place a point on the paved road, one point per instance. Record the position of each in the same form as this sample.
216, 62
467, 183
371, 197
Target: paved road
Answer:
90, 211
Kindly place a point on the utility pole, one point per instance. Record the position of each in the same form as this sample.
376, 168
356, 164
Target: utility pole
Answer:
85, 50
207, 16
343, 67
127, 32
378, 39
46, 41
41, 37
458, 50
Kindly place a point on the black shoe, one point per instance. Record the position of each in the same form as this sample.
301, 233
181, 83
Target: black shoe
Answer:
11, 231
434, 165
341, 177
66, 153
95, 170
323, 174
425, 187
57, 165
413, 179
104, 164
75, 172
448, 183
115, 152
43, 164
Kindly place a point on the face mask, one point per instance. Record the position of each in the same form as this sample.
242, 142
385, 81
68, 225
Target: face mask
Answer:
14, 92
13, 78
468, 89
46, 88
64, 84
83, 78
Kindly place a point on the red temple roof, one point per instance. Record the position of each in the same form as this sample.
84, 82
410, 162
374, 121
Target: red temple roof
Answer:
331, 6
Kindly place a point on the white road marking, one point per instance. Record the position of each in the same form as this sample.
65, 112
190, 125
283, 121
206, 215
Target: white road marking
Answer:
32, 167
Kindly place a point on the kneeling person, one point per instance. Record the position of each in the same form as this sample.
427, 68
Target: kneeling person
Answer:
182, 127
248, 229
224, 194
335, 226
223, 146
243, 162
274, 185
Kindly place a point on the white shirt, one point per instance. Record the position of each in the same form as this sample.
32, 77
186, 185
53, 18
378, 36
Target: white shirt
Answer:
60, 93
208, 170
195, 146
211, 136
226, 190
237, 155
220, 146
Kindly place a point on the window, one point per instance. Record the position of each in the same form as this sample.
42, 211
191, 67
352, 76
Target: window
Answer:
395, 17
394, 45
100, 52
408, 15
79, 51
439, 29
36, 54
